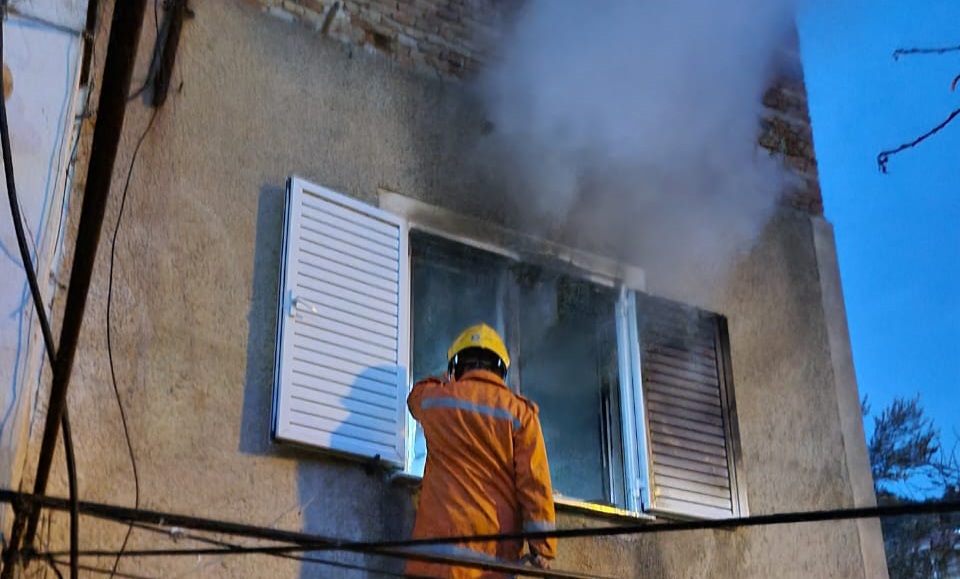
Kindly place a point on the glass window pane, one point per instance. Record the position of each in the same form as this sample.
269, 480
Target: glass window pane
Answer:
568, 366
454, 286
561, 333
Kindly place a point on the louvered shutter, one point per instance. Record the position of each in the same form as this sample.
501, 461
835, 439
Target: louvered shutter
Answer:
690, 417
343, 338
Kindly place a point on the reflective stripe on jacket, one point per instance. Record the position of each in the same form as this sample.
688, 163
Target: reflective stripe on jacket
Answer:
486, 469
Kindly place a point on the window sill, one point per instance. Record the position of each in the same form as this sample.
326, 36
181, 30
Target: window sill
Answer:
565, 504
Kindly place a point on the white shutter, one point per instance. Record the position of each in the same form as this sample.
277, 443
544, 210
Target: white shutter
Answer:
342, 332
690, 417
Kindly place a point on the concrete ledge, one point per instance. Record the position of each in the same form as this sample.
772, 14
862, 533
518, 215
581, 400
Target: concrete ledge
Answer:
848, 397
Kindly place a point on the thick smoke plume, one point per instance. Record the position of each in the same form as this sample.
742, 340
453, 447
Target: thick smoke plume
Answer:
630, 127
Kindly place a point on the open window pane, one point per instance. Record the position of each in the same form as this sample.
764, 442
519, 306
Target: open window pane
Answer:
562, 336
568, 365
454, 286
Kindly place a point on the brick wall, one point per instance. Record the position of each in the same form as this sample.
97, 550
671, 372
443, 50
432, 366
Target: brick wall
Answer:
448, 39
443, 38
786, 131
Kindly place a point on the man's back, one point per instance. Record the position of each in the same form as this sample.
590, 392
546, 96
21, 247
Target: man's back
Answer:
486, 469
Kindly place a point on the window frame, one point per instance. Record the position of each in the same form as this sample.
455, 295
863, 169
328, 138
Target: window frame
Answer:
628, 280
629, 283
625, 279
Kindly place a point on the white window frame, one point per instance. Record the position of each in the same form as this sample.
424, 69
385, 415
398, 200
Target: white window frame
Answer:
596, 269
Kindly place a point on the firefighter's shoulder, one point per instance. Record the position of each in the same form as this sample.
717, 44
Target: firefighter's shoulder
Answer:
432, 381
530, 404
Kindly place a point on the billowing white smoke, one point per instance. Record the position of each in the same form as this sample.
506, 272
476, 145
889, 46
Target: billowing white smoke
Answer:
630, 126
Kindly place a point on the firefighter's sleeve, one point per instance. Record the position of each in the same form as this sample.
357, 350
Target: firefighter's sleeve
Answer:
415, 398
534, 491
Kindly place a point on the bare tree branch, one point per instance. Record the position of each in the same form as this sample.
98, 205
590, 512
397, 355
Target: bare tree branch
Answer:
910, 51
884, 156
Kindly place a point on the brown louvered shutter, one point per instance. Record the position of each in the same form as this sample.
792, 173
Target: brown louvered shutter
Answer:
690, 414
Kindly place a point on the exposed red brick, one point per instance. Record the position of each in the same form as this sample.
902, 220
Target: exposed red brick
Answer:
785, 137
786, 99
449, 39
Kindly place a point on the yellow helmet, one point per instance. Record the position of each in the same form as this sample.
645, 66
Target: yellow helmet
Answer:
480, 336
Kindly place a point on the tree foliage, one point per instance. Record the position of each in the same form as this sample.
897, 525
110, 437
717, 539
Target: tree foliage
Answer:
905, 444
908, 460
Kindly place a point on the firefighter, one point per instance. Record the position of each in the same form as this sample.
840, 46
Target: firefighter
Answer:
486, 470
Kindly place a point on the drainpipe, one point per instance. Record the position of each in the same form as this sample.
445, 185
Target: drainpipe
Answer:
111, 108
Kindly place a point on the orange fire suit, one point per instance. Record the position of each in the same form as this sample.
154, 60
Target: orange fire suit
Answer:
486, 471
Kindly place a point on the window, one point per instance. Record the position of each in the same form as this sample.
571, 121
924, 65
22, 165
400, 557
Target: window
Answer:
563, 336
636, 403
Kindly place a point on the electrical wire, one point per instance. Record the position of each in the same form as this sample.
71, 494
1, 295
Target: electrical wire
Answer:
113, 373
38, 304
53, 565
18, 225
282, 552
227, 548
74, 495
150, 75
318, 542
450, 560
308, 542
98, 570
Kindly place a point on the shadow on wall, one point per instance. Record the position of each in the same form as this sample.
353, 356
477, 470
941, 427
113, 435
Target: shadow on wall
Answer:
262, 324
338, 497
353, 500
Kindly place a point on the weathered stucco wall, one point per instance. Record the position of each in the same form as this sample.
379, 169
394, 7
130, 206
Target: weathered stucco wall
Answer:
194, 306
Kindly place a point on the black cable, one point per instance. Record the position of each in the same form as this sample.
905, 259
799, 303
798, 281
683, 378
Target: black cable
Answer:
113, 373
282, 552
318, 542
394, 548
52, 560
74, 500
443, 559
42, 317
151, 74
311, 542
18, 224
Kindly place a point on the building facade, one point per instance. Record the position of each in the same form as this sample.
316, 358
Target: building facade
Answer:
303, 230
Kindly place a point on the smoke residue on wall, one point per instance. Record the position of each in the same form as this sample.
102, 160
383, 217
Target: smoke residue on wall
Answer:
630, 127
